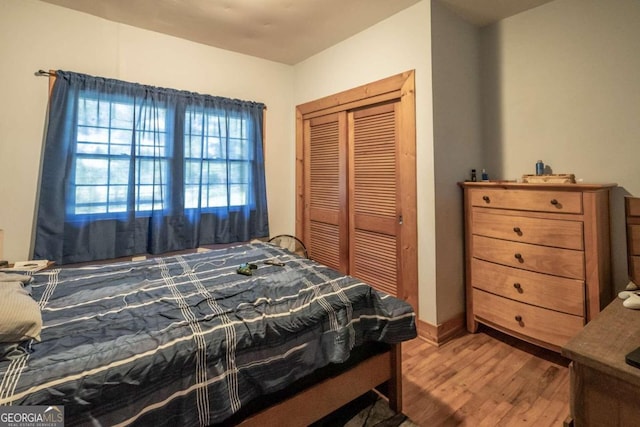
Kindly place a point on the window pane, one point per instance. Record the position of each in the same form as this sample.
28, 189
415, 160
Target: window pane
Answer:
92, 171
215, 196
82, 210
239, 149
122, 116
91, 199
119, 172
152, 171
192, 172
216, 126
216, 172
85, 195
121, 137
118, 194
238, 193
145, 192
151, 144
88, 112
191, 196
104, 113
194, 123
153, 119
145, 171
237, 128
193, 146
91, 148
117, 207
152, 184
239, 172
93, 134
215, 148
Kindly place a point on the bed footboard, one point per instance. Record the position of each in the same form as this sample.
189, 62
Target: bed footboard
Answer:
382, 371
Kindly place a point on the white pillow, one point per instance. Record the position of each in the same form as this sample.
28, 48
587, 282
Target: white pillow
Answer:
20, 317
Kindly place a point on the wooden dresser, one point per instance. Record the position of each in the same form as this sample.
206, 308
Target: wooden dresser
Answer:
632, 210
537, 258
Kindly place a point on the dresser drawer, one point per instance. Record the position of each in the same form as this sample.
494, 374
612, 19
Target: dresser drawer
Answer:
548, 232
634, 239
633, 206
542, 259
535, 322
634, 269
555, 293
527, 200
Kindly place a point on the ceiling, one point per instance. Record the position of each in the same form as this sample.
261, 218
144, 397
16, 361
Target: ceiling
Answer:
287, 31
485, 12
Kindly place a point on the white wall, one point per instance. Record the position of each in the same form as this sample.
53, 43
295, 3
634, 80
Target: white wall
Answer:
399, 43
36, 35
457, 140
561, 83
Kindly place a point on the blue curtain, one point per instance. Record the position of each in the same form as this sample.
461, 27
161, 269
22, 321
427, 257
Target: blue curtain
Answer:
131, 169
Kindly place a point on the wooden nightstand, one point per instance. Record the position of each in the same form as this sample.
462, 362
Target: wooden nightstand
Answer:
605, 391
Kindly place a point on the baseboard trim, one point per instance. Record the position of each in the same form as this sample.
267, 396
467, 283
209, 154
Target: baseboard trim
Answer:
438, 335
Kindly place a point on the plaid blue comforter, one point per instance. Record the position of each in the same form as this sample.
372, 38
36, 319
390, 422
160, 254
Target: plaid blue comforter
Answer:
186, 340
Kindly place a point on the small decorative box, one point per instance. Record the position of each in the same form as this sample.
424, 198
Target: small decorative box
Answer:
561, 178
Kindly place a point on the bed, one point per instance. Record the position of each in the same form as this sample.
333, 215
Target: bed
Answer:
187, 340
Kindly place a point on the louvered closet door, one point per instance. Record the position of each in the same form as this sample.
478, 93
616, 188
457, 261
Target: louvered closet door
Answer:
373, 231
326, 217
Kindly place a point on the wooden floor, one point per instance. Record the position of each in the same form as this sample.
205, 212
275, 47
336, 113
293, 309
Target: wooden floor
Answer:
484, 379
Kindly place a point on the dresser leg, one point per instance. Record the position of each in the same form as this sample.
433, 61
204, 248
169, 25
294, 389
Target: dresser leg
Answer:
472, 325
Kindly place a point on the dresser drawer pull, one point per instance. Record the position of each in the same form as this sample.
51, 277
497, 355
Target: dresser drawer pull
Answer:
518, 318
554, 202
517, 230
518, 256
486, 199
518, 287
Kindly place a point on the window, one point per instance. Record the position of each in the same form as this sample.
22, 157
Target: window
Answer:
131, 168
106, 132
217, 160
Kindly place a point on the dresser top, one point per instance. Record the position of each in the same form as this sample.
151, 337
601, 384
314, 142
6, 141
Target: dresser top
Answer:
604, 342
535, 186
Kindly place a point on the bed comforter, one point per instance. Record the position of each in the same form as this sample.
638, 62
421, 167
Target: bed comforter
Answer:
186, 340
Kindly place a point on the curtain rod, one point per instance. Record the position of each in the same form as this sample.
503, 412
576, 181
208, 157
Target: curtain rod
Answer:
53, 73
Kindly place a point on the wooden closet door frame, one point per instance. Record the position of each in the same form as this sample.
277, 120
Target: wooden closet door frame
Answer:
399, 87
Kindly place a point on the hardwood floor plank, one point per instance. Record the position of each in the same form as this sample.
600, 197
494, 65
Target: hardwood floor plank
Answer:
484, 379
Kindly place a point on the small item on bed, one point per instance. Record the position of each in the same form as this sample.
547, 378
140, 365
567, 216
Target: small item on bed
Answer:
27, 266
274, 261
247, 269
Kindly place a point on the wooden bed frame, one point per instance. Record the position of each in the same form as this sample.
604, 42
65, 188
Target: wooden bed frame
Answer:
383, 371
